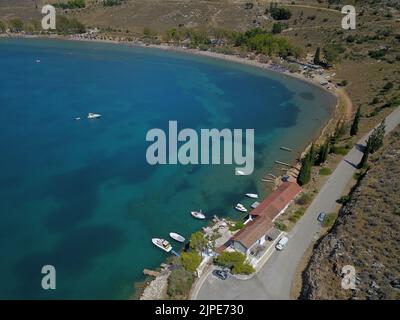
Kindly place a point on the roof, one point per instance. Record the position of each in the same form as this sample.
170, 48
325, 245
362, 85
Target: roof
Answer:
253, 231
266, 212
277, 200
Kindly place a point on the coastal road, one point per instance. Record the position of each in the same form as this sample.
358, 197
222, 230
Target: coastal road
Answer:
275, 278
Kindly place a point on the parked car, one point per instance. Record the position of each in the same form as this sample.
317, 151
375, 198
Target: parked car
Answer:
321, 217
282, 243
223, 275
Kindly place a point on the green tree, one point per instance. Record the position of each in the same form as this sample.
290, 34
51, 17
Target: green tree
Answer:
331, 52
317, 56
323, 152
364, 159
190, 260
277, 27
179, 283
16, 25
198, 241
243, 268
2, 27
304, 176
280, 13
377, 137
356, 121
230, 259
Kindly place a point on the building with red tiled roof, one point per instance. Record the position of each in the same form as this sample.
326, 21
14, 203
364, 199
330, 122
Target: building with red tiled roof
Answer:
261, 218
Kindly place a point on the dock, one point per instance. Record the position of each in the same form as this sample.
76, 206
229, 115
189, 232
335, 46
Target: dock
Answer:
284, 164
268, 180
175, 253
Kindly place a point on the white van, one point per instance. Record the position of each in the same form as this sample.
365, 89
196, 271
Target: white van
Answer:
282, 243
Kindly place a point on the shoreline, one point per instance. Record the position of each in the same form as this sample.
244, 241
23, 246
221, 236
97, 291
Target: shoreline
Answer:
336, 92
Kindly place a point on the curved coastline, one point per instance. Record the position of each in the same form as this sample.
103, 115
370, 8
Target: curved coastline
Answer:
232, 59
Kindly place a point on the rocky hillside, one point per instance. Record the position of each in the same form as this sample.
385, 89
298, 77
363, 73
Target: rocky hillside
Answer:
366, 236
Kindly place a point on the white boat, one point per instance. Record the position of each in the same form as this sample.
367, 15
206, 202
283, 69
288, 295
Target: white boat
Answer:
37, 61
252, 195
177, 237
198, 214
78, 118
240, 207
93, 115
239, 173
162, 244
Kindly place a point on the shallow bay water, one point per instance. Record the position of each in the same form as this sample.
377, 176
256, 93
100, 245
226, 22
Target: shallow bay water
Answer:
79, 195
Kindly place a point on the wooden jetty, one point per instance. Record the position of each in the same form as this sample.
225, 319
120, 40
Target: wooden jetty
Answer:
284, 164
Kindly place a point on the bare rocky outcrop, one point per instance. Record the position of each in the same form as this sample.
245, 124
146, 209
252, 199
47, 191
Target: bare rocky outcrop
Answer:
366, 236
157, 289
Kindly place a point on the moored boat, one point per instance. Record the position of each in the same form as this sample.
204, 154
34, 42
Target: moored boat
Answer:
162, 244
240, 207
177, 237
252, 195
93, 115
198, 215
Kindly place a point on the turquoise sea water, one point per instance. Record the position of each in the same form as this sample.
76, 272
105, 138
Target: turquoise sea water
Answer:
80, 195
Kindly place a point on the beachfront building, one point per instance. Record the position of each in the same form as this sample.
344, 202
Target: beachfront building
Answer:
259, 232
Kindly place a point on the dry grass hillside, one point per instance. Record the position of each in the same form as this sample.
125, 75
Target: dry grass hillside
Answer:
366, 235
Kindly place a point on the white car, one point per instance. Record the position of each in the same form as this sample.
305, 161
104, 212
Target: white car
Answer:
282, 243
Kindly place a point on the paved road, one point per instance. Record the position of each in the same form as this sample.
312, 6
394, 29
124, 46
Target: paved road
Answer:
275, 278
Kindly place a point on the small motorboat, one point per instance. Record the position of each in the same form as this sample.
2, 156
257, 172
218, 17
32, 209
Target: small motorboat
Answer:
162, 244
239, 173
37, 61
78, 118
198, 215
252, 195
177, 237
93, 115
240, 207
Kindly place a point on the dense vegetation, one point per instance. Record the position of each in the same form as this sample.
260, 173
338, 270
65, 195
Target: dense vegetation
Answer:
179, 283
235, 261
278, 13
257, 40
111, 3
71, 4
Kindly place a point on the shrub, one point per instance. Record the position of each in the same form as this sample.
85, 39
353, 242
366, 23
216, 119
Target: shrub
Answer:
325, 171
2, 26
329, 220
237, 226
297, 215
343, 199
243, 268
198, 241
304, 199
16, 25
280, 13
339, 150
234, 261
281, 226
190, 260
179, 283
229, 259
277, 28
71, 4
